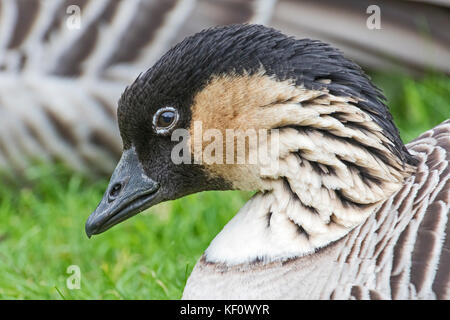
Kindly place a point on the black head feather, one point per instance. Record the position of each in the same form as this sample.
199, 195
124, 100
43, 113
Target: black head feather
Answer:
183, 72
187, 67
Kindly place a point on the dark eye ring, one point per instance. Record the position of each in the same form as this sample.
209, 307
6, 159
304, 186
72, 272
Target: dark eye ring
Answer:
164, 120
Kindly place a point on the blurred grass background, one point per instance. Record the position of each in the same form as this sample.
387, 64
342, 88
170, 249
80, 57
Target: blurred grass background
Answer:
149, 256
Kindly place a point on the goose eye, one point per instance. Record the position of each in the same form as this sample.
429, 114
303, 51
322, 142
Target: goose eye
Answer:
164, 120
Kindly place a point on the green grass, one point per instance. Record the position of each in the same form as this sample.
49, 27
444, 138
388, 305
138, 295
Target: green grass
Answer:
416, 105
151, 255
148, 257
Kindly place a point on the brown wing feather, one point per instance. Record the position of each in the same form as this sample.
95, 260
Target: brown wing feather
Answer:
401, 252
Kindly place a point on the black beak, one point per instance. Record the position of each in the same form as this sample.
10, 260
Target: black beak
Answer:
129, 192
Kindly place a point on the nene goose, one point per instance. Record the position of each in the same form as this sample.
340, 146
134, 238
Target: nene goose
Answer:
349, 212
52, 74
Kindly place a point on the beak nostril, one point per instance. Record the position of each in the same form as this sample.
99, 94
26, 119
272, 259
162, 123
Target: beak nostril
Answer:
115, 190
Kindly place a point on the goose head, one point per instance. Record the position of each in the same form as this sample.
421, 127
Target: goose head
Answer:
338, 153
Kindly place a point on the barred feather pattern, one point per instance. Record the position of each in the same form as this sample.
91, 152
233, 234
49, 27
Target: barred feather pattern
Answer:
59, 87
399, 252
